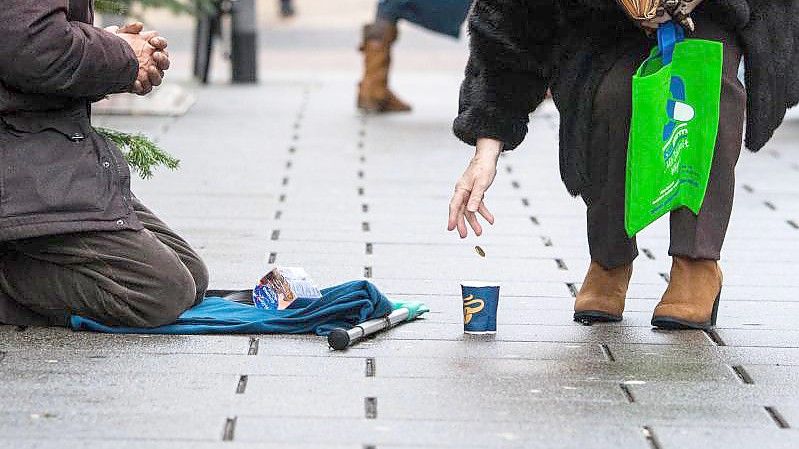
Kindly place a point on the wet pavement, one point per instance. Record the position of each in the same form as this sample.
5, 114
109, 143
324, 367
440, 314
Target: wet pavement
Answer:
287, 172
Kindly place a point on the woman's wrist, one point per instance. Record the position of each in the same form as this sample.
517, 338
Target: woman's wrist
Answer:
488, 147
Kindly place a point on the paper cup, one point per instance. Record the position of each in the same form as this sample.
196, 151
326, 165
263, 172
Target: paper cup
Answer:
480, 301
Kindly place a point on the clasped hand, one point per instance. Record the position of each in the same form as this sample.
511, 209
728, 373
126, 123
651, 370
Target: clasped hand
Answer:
151, 53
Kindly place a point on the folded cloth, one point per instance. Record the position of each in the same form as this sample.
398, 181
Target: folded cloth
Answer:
342, 306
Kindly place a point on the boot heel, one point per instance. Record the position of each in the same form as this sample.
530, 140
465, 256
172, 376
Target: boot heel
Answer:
715, 309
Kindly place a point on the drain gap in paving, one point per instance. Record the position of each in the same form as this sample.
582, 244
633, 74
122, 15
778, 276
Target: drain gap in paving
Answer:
665, 277
546, 240
627, 393
793, 224
230, 429
242, 385
370, 367
253, 349
748, 188
370, 407
561, 264
278, 214
742, 375
367, 272
651, 439
535, 221
272, 258
369, 248
607, 353
769, 205
714, 337
572, 289
777, 417
648, 253
365, 226
276, 234
525, 202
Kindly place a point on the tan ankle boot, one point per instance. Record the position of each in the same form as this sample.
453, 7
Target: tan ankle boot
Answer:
373, 92
692, 299
602, 295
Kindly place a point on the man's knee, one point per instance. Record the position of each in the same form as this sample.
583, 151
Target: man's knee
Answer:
173, 293
199, 271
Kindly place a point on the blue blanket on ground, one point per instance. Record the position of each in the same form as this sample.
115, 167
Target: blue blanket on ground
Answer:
344, 306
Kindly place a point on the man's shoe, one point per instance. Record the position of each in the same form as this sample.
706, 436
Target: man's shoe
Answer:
374, 96
692, 299
601, 298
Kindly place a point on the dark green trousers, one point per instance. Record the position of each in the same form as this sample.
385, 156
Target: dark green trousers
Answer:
141, 278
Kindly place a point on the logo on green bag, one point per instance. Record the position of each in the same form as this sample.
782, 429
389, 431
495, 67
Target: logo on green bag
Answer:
675, 133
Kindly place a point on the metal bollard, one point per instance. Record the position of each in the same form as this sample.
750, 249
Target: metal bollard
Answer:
244, 57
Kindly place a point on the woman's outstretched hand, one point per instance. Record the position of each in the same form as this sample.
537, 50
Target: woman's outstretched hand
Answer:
467, 201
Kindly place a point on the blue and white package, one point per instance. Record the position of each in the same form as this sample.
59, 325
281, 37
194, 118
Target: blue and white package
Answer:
282, 286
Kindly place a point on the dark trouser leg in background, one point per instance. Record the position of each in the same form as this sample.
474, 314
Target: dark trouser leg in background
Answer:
374, 94
287, 8
126, 278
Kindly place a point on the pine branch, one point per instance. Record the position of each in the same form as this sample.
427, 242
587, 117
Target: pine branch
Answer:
141, 153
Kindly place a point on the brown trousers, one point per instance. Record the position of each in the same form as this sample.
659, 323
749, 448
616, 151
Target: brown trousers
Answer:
699, 237
141, 278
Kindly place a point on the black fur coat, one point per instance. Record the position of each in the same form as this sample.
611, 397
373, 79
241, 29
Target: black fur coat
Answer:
519, 48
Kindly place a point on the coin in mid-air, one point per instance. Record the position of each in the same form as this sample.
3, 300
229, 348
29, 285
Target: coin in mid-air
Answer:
480, 251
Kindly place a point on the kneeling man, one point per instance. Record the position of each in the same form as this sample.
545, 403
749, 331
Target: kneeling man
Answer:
73, 238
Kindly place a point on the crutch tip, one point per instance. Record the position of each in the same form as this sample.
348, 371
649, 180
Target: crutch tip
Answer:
338, 339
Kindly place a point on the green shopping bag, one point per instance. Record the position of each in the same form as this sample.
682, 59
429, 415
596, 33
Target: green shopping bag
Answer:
676, 96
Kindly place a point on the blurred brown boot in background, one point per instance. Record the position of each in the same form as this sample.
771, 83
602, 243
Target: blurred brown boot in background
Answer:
374, 95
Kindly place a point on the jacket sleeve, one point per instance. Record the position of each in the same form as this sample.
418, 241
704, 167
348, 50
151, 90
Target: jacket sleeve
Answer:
43, 52
509, 68
771, 44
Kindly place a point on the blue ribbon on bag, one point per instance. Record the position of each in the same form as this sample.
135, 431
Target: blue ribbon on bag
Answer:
669, 35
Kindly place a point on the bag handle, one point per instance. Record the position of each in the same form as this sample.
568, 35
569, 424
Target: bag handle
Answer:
669, 35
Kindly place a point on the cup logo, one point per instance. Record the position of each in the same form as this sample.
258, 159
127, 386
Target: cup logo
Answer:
471, 305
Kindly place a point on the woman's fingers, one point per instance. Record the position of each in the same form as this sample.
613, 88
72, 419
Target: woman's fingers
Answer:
476, 197
455, 206
483, 210
472, 219
463, 231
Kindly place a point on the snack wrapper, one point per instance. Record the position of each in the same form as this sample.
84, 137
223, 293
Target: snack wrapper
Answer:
282, 286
